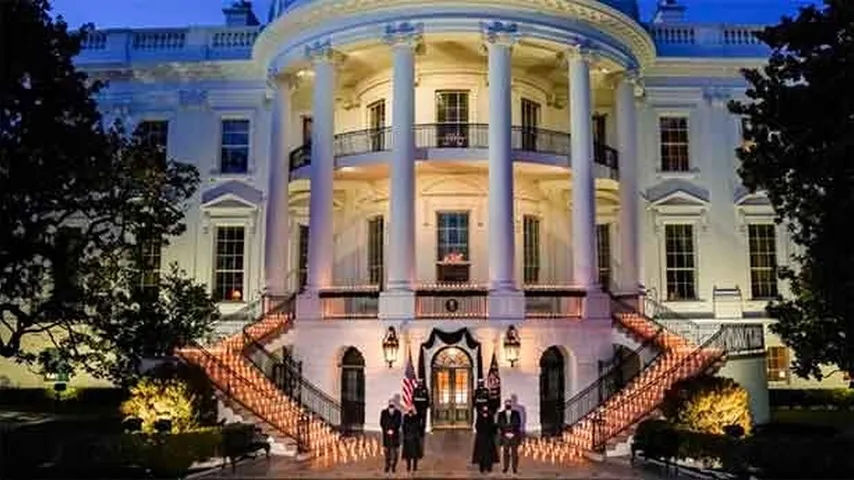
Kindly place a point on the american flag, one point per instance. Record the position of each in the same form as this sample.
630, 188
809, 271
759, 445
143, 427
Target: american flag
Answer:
409, 381
493, 381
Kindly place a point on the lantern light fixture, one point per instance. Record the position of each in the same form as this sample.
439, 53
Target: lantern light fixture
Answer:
512, 345
391, 344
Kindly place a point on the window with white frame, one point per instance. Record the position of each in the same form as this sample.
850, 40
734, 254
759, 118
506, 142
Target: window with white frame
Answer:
453, 237
603, 253
777, 364
681, 262
452, 116
234, 146
673, 131
531, 249
150, 260
376, 230
762, 245
229, 261
154, 133
376, 119
530, 124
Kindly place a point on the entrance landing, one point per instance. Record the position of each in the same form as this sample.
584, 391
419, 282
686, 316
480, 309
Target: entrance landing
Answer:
447, 455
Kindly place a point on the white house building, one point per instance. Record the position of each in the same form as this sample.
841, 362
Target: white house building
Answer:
466, 174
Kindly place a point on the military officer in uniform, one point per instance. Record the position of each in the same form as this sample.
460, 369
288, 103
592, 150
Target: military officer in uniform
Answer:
421, 402
481, 397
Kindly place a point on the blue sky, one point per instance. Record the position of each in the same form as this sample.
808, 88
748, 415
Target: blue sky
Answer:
162, 13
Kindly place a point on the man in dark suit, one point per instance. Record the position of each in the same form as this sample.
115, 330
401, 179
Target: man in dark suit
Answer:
481, 397
510, 431
390, 421
421, 402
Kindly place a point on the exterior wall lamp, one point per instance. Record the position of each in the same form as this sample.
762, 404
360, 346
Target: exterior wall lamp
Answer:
512, 345
390, 346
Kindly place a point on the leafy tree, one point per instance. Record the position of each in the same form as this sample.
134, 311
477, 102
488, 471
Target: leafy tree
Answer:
799, 150
78, 205
707, 404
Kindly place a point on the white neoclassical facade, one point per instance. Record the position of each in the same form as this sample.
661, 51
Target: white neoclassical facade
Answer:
461, 172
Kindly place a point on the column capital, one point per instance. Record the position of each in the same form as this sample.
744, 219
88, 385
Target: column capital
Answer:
582, 50
404, 34
322, 52
500, 33
278, 80
632, 78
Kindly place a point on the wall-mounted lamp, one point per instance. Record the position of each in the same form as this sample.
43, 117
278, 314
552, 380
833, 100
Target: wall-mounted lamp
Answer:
512, 345
390, 346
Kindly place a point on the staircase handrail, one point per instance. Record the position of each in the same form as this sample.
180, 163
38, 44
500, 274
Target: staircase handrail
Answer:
607, 385
288, 377
718, 341
674, 322
227, 388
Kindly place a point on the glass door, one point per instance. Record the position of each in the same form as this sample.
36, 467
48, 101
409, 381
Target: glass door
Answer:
376, 120
530, 124
452, 375
452, 117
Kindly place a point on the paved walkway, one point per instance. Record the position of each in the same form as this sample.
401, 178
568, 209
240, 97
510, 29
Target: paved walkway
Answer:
447, 456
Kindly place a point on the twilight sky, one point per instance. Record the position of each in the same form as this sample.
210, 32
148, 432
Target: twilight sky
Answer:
162, 13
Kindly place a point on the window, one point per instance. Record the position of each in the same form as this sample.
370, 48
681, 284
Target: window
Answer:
154, 133
778, 364
228, 273
762, 246
674, 144
303, 255
307, 122
376, 118
681, 265
452, 116
453, 236
530, 123
452, 247
603, 253
234, 146
150, 259
600, 128
531, 249
376, 236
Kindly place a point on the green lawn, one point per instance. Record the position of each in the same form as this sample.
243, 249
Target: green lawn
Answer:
839, 419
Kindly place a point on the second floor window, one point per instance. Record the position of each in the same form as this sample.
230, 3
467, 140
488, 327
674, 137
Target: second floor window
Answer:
229, 264
234, 146
603, 253
681, 269
531, 249
376, 229
154, 133
453, 237
452, 115
530, 123
674, 144
150, 260
303, 255
762, 247
376, 118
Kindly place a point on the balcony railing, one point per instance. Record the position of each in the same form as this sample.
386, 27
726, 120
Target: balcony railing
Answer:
350, 302
553, 301
459, 135
451, 301
708, 40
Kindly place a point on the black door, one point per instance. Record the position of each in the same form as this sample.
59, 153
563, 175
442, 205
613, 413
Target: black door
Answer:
352, 391
552, 392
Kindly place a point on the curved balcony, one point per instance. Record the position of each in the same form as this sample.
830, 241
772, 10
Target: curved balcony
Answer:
529, 144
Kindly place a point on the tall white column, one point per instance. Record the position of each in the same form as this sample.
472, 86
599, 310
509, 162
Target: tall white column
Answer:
321, 245
398, 301
506, 302
583, 192
277, 230
502, 250
627, 144
401, 269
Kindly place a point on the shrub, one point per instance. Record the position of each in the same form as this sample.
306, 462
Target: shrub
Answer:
707, 404
84, 401
238, 439
153, 400
199, 385
808, 398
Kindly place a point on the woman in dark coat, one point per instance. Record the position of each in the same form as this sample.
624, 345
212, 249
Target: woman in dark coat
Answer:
485, 453
411, 440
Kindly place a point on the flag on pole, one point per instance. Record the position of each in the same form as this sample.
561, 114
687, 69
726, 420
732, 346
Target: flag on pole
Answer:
409, 381
493, 381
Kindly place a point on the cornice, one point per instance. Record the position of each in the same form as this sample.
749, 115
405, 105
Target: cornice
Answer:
182, 72
311, 16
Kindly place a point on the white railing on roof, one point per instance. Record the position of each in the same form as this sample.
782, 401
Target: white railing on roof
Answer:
703, 39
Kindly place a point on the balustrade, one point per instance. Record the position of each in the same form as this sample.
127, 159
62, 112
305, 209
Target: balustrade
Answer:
551, 301
451, 301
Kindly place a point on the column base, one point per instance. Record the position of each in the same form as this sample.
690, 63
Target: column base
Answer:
397, 305
506, 305
597, 305
309, 306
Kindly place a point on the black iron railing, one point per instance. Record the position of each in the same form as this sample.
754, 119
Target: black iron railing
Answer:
286, 374
458, 135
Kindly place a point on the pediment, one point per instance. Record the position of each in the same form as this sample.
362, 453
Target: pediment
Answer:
232, 195
677, 194
746, 198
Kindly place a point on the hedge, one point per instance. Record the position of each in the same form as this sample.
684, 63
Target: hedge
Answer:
812, 398
770, 456
74, 400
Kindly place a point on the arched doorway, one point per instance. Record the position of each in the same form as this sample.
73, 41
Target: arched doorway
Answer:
452, 377
352, 391
552, 388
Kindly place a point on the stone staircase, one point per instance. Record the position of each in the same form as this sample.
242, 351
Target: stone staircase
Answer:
610, 420
248, 392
